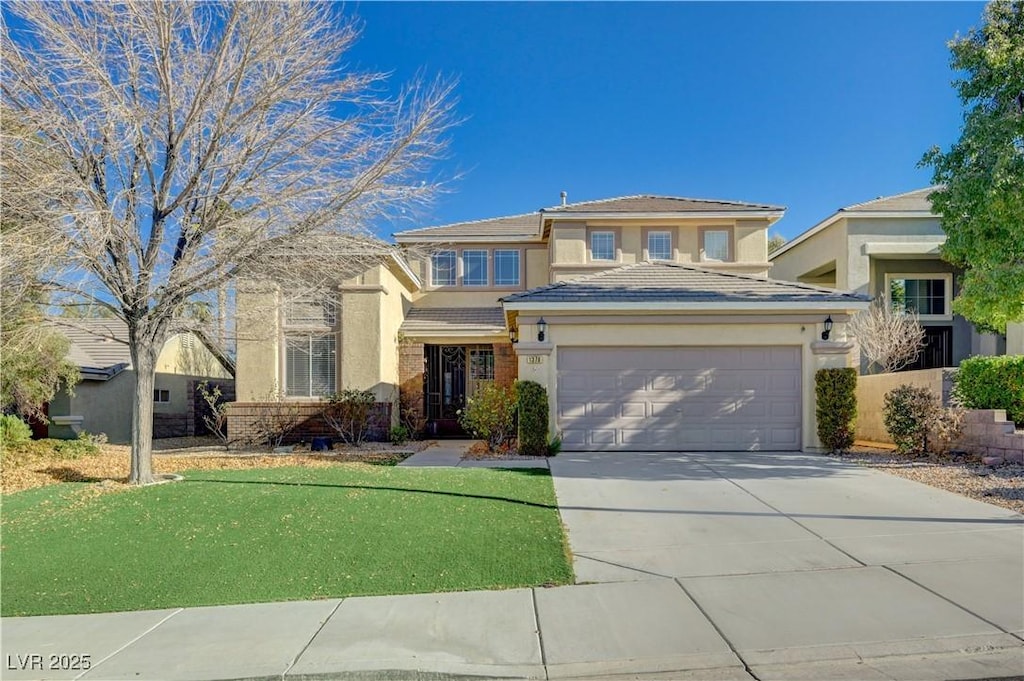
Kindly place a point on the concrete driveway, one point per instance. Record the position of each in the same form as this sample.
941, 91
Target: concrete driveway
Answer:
796, 558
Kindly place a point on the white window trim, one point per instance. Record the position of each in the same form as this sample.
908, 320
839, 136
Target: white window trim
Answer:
947, 315
653, 232
594, 233
458, 267
296, 332
519, 267
728, 244
461, 278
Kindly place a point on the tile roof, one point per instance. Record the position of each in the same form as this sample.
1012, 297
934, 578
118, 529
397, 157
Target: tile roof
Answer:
96, 344
654, 282
649, 203
436, 320
916, 200
511, 226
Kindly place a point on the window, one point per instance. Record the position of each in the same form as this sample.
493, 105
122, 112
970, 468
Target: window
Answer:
506, 267
309, 365
481, 365
474, 268
716, 245
602, 245
161, 396
310, 311
659, 246
442, 268
924, 294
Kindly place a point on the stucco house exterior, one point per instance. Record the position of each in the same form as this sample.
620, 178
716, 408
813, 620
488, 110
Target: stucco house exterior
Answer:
102, 401
889, 248
649, 319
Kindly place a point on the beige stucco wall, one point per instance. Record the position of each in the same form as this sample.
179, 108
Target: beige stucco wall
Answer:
752, 240
814, 254
896, 232
601, 333
258, 345
1015, 338
184, 353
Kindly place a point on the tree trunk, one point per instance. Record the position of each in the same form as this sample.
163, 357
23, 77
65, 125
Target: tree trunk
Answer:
144, 355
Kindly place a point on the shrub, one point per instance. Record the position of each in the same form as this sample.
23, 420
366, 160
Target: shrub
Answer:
490, 414
992, 383
532, 403
275, 418
398, 435
917, 422
348, 413
215, 413
84, 445
836, 391
13, 431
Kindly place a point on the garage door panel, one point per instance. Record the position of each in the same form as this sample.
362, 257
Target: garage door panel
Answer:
680, 398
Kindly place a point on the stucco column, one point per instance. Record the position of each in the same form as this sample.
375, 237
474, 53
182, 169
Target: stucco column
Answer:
536, 363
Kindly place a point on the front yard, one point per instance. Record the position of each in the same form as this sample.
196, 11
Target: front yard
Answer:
272, 534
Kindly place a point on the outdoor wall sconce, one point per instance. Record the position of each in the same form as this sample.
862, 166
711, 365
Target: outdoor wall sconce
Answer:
513, 335
542, 327
828, 328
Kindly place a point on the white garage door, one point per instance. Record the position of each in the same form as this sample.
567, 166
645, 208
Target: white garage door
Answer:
679, 398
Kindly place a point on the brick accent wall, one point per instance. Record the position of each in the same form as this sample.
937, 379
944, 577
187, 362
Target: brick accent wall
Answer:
987, 432
244, 417
410, 384
506, 364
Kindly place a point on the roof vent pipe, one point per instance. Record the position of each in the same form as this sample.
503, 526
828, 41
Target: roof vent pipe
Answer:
564, 196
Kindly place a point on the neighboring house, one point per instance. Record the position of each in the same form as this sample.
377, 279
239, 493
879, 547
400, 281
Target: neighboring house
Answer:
889, 248
102, 401
649, 320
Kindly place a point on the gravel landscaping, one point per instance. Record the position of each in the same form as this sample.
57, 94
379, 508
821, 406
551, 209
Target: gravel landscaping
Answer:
1000, 485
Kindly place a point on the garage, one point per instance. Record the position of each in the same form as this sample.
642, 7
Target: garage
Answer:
709, 398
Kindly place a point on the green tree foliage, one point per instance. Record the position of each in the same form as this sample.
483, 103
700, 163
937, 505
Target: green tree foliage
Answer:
532, 401
836, 411
992, 383
981, 178
775, 242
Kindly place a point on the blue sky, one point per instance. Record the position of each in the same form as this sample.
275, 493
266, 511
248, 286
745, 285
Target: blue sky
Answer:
813, 106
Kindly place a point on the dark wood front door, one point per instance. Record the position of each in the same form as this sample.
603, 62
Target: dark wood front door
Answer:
937, 351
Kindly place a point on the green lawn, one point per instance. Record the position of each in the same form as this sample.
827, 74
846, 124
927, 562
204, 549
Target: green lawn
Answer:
246, 536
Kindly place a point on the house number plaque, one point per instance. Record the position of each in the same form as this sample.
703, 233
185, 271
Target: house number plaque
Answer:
534, 359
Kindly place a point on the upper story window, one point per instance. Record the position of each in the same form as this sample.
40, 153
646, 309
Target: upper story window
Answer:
927, 295
602, 245
442, 268
474, 268
310, 311
506, 267
716, 245
659, 245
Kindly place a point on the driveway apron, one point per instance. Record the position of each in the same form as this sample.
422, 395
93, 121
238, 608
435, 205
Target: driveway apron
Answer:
797, 558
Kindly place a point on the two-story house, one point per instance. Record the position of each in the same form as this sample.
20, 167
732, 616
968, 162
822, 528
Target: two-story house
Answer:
649, 319
888, 248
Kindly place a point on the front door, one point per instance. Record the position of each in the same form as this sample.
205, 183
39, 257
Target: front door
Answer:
453, 372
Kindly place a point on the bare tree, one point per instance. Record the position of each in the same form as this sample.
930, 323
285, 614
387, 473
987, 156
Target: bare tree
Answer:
889, 339
201, 142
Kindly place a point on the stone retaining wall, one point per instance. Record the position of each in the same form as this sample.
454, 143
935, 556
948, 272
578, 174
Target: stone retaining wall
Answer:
987, 432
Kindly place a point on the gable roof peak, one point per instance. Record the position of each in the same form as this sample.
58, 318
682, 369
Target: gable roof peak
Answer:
658, 203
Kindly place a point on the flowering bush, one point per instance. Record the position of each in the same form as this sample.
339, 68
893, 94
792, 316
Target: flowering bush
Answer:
490, 414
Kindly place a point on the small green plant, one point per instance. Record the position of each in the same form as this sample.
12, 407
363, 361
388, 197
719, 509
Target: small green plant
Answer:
532, 404
555, 445
836, 392
992, 383
84, 445
13, 431
348, 413
917, 422
398, 435
490, 414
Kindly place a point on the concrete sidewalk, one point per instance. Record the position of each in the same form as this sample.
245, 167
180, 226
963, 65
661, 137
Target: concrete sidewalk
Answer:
450, 453
642, 629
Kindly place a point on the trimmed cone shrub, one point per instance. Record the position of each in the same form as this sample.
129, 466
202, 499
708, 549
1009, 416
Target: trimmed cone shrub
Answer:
836, 391
532, 401
992, 383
